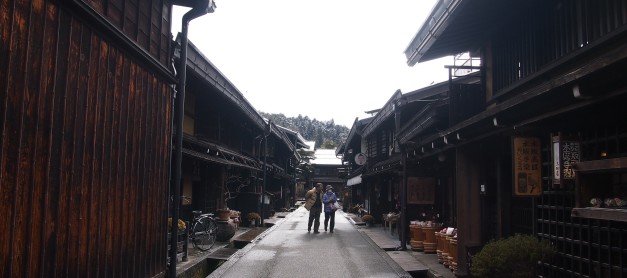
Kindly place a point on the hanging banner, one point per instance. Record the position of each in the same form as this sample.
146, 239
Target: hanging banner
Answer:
527, 166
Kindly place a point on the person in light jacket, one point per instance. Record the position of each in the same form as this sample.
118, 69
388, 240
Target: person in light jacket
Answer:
313, 203
329, 199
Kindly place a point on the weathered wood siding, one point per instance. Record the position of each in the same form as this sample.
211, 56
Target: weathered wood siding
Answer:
550, 32
145, 22
85, 146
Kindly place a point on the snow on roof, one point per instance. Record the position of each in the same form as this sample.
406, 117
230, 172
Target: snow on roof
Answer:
311, 144
326, 157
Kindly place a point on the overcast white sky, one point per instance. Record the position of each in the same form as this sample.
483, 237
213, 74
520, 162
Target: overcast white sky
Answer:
325, 59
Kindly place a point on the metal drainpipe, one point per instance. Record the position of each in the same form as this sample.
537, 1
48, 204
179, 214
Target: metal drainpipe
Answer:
203, 7
293, 187
265, 158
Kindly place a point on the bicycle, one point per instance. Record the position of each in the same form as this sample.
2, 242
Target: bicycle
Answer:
203, 230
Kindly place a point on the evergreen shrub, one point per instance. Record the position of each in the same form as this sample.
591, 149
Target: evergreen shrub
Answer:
516, 256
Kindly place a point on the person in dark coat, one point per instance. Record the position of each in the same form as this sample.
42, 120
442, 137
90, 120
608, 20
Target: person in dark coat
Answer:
329, 199
313, 203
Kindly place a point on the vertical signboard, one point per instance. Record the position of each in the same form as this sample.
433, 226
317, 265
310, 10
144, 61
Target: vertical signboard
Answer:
527, 166
565, 153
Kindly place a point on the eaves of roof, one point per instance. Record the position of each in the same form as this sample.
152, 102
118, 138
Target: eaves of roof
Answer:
342, 148
390, 164
423, 119
218, 160
280, 134
299, 142
539, 89
398, 100
218, 154
436, 23
356, 172
425, 93
458, 26
212, 76
356, 130
384, 114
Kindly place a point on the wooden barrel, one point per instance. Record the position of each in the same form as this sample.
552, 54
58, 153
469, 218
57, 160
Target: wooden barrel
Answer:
438, 239
417, 238
453, 254
445, 249
429, 244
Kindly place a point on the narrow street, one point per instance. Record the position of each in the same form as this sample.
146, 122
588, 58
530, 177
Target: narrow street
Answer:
288, 250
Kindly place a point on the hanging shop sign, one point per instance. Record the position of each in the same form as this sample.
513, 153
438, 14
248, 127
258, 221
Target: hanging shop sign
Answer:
420, 190
360, 159
527, 166
565, 152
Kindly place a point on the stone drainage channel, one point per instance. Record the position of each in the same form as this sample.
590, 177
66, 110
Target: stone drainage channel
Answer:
202, 264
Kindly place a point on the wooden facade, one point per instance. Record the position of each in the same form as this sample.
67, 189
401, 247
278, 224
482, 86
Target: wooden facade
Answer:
402, 121
224, 147
550, 69
85, 148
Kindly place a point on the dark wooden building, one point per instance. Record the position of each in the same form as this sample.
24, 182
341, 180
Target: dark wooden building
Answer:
538, 146
326, 170
227, 145
352, 147
383, 140
86, 119
87, 130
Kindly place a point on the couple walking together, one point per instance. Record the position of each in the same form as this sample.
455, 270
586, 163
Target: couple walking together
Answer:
314, 201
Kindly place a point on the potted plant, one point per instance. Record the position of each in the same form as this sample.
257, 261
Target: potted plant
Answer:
516, 256
368, 219
253, 217
181, 224
223, 214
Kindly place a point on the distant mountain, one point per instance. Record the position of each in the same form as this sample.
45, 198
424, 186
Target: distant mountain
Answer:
327, 134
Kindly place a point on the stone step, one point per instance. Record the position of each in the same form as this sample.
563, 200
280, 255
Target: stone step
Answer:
408, 263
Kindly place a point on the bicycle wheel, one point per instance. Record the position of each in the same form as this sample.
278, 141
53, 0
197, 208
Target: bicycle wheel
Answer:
204, 233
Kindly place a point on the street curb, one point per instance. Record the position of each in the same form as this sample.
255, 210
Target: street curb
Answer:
397, 268
430, 273
218, 272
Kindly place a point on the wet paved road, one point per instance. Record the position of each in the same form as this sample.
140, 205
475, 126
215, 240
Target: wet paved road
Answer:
288, 250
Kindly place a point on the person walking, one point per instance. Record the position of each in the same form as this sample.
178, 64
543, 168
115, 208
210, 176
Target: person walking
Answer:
329, 199
313, 203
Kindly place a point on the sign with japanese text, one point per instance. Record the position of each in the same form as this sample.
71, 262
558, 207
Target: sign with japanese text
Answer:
420, 190
570, 156
527, 166
565, 153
